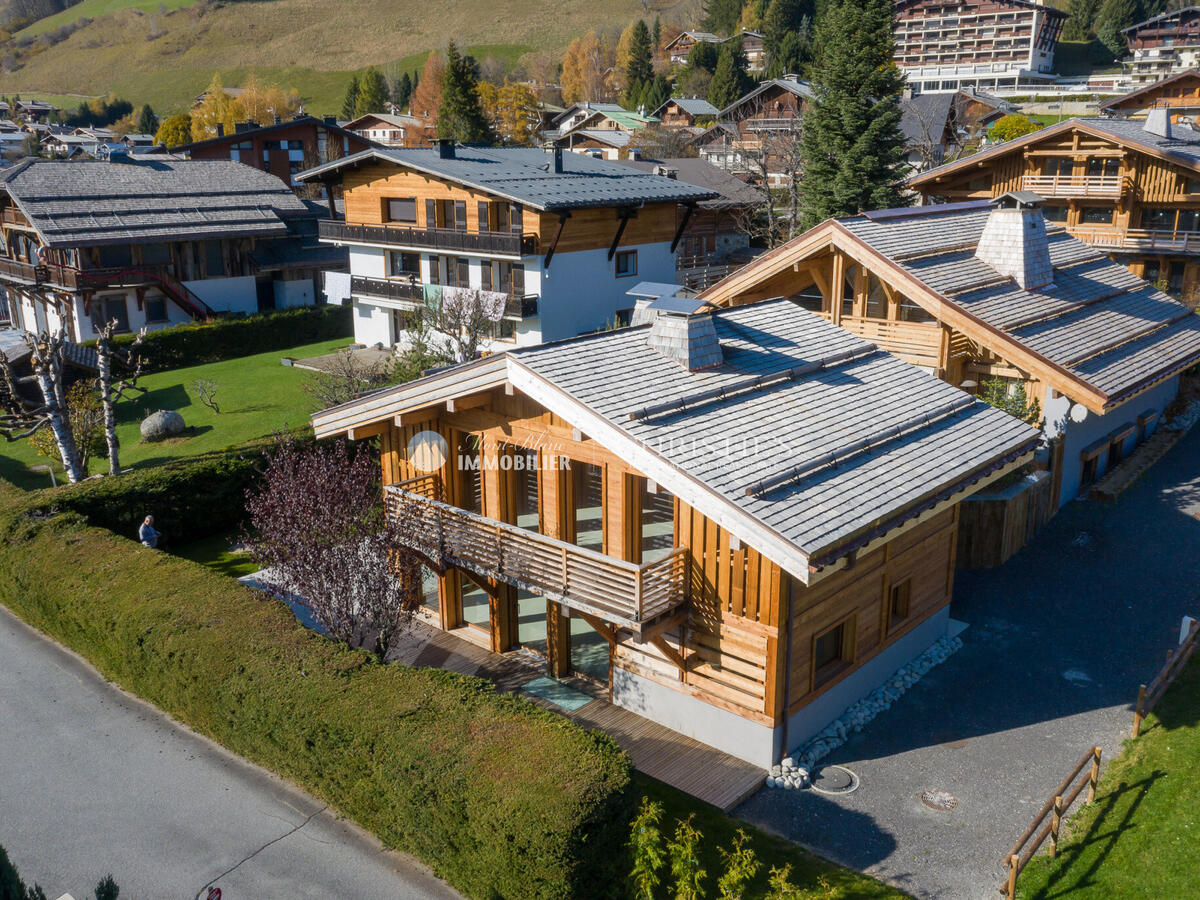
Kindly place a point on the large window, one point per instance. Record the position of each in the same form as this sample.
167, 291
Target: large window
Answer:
402, 210
833, 651
1158, 218
403, 264
156, 309
656, 521
106, 309
1096, 215
1057, 213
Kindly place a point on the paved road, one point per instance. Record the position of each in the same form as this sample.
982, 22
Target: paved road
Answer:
93, 780
1058, 640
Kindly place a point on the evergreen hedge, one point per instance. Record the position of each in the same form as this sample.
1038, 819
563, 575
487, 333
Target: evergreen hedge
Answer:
208, 342
497, 796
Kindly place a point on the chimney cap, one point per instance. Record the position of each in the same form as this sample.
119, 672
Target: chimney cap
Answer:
1019, 200
1158, 122
445, 148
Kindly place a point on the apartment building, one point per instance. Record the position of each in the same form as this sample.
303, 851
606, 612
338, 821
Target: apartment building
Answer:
1163, 46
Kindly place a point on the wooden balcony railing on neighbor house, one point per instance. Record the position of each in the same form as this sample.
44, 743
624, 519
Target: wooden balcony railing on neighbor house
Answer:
1147, 239
21, 271
12, 216
447, 239
517, 306
627, 595
1075, 186
915, 342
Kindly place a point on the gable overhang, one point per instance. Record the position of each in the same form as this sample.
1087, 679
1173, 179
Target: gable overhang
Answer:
832, 234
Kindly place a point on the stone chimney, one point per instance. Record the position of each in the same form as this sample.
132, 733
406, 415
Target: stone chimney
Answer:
1014, 240
1158, 122
689, 339
445, 148
558, 160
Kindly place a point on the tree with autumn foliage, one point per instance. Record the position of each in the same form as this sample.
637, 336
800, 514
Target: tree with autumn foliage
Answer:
512, 110
255, 102
427, 96
584, 66
317, 522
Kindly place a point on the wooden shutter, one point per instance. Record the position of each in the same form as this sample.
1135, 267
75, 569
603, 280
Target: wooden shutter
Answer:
460, 215
483, 216
515, 224
431, 214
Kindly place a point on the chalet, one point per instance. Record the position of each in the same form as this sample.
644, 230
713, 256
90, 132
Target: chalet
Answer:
752, 46
684, 112
945, 45
1162, 46
937, 126
604, 133
1129, 187
557, 234
282, 149
8, 126
768, 114
151, 243
678, 49
69, 146
1180, 94
388, 130
987, 291
574, 115
736, 523
34, 110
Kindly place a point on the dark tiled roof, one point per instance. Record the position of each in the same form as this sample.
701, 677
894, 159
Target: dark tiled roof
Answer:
924, 117
694, 106
147, 199
696, 171
526, 175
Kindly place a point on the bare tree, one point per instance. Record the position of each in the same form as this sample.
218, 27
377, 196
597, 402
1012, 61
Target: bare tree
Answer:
111, 391
466, 317
347, 376
318, 523
21, 417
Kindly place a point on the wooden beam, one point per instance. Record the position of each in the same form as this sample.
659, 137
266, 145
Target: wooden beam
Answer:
358, 432
606, 631
471, 401
670, 653
562, 221
688, 209
623, 216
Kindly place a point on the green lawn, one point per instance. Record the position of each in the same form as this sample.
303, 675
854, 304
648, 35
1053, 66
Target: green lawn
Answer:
1140, 837
90, 9
257, 396
214, 552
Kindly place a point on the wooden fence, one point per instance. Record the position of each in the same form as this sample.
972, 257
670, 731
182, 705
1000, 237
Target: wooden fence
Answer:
1149, 695
1055, 809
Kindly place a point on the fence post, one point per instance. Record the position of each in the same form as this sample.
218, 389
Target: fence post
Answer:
1094, 776
1055, 823
1137, 712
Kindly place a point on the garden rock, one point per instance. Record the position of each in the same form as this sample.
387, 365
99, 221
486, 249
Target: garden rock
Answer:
161, 425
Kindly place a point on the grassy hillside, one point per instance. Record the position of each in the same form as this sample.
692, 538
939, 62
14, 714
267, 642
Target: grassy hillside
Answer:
90, 9
311, 45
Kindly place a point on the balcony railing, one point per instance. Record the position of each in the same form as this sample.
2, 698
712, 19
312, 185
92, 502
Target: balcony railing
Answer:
1138, 239
619, 592
776, 123
516, 306
446, 239
1079, 186
21, 271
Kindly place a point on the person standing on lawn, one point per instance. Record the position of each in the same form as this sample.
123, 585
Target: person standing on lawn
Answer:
147, 533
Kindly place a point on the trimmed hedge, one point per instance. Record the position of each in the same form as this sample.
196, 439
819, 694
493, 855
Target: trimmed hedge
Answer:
189, 498
220, 339
499, 797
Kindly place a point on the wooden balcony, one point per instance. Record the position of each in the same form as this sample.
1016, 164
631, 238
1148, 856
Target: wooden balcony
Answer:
15, 270
916, 342
113, 276
441, 239
1080, 187
412, 292
623, 594
11, 216
1139, 239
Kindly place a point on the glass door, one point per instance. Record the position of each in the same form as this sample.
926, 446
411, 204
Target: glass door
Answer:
523, 512
589, 651
476, 609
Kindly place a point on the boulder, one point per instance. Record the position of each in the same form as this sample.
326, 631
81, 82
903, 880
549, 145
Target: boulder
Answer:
161, 425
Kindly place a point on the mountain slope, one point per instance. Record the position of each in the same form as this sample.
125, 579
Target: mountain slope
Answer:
166, 58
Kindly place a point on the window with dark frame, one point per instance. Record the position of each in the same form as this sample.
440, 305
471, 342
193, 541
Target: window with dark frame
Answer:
156, 309
1096, 215
460, 215
402, 264
462, 272
832, 651
402, 210
899, 602
626, 263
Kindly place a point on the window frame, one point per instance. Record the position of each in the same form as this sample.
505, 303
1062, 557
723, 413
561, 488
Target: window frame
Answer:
626, 255
391, 218
897, 595
827, 673
166, 316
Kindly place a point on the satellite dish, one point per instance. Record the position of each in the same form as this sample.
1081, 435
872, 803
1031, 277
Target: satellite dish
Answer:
1079, 413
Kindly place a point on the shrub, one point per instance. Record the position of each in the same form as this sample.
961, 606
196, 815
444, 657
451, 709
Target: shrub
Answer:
499, 797
209, 342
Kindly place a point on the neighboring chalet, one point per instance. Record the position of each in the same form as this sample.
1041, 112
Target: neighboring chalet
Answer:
757, 130
559, 235
684, 112
604, 133
937, 126
388, 130
945, 45
573, 115
282, 149
34, 110
678, 49
1179, 93
1163, 46
752, 46
986, 291
1128, 187
151, 243
737, 523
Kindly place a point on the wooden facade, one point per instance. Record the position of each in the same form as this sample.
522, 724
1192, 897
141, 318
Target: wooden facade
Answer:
1179, 93
1140, 206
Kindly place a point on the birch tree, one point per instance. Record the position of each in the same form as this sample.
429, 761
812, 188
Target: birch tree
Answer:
111, 391
466, 318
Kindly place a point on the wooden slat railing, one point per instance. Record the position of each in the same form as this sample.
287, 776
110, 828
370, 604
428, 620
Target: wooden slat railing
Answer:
914, 341
500, 242
1055, 809
1138, 238
619, 592
1081, 186
1149, 695
23, 271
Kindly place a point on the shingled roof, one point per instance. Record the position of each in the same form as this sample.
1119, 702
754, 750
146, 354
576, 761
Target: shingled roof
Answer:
526, 175
1097, 324
806, 441
148, 199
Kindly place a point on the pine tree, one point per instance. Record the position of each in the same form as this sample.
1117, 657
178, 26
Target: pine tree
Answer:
639, 68
350, 103
372, 93
851, 144
656, 34
782, 24
1083, 18
1114, 17
147, 122
722, 16
726, 83
403, 92
460, 115
656, 93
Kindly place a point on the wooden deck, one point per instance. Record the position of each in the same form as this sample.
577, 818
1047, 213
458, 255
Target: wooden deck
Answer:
1114, 483
685, 764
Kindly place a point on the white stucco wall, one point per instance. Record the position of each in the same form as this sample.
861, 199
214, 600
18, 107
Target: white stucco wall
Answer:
294, 293
237, 295
372, 324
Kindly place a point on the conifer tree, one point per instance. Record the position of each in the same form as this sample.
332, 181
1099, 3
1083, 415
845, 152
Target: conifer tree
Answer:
350, 103
656, 93
460, 115
639, 67
722, 16
372, 93
783, 26
147, 122
728, 81
1112, 19
656, 34
852, 147
427, 89
404, 89
1083, 17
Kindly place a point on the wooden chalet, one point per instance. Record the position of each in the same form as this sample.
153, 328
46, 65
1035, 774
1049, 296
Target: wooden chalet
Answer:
604, 133
679, 48
773, 109
988, 291
1128, 187
391, 130
738, 523
1180, 94
684, 112
937, 126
